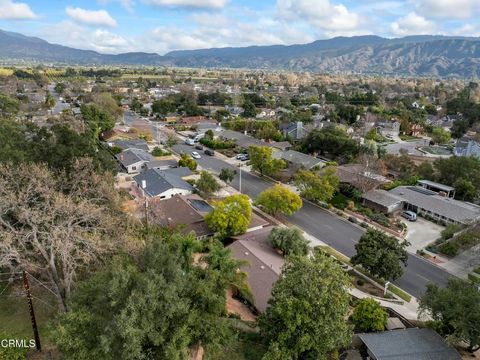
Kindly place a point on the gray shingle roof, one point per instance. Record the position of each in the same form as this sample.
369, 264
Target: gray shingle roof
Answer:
132, 144
408, 344
450, 208
159, 181
132, 156
298, 158
382, 197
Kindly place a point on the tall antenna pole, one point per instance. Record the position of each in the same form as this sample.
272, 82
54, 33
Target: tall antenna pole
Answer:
26, 285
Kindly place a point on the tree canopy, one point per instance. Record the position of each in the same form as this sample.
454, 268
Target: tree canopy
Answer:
187, 161
381, 254
306, 317
333, 141
368, 315
455, 310
290, 241
230, 216
207, 184
317, 187
261, 160
155, 306
279, 200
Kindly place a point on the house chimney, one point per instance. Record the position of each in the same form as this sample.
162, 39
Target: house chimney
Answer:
144, 184
121, 157
299, 129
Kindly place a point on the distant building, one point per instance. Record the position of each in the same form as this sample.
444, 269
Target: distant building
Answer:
388, 128
298, 160
467, 147
296, 131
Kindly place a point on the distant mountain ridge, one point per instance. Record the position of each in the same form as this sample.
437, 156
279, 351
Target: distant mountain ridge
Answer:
413, 55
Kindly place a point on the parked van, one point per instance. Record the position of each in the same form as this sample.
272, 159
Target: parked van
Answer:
409, 215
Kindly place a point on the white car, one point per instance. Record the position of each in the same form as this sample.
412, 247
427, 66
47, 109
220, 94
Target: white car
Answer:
195, 155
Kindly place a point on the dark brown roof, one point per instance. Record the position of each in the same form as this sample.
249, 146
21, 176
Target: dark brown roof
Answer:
265, 263
178, 211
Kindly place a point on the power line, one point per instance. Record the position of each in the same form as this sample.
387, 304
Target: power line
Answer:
42, 284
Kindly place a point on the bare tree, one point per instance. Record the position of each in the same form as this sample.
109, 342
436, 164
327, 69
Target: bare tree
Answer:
52, 232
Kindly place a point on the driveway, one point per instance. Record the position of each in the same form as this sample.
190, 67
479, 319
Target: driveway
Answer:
420, 233
409, 146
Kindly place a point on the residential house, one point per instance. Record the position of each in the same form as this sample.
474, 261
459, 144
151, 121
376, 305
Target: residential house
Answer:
299, 160
415, 130
360, 177
295, 131
126, 144
194, 120
407, 344
265, 113
385, 128
164, 184
265, 264
424, 202
185, 212
467, 147
133, 160
234, 110
163, 164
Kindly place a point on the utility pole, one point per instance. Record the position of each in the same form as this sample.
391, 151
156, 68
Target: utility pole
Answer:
26, 285
240, 183
146, 213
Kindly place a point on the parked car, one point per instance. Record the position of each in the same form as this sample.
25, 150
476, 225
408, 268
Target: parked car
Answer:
409, 215
195, 155
209, 152
244, 157
199, 147
190, 142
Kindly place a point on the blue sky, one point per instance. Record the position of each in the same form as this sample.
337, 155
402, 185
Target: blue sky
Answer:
114, 26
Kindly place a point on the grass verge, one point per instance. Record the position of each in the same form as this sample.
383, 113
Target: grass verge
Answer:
399, 292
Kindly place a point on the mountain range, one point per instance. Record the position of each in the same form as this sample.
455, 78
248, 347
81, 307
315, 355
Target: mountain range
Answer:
424, 55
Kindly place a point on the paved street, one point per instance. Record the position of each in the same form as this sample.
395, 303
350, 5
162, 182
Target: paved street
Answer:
332, 230
339, 234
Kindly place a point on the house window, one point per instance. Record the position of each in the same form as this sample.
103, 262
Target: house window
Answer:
134, 168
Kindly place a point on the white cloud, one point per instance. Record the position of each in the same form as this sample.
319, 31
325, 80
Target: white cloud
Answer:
322, 15
467, 30
91, 17
10, 10
413, 24
458, 9
71, 34
190, 3
126, 4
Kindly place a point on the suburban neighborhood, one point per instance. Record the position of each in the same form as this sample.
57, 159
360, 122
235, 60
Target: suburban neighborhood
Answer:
250, 193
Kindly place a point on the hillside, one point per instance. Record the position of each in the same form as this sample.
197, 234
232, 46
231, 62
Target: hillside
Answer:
414, 55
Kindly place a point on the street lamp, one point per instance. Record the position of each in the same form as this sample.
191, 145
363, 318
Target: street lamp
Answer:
386, 288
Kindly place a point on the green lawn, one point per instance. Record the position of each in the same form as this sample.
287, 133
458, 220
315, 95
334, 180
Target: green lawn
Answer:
247, 346
15, 318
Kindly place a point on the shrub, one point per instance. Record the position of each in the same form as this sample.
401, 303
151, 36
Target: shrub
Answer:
360, 282
381, 219
449, 248
289, 241
368, 315
449, 231
159, 152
